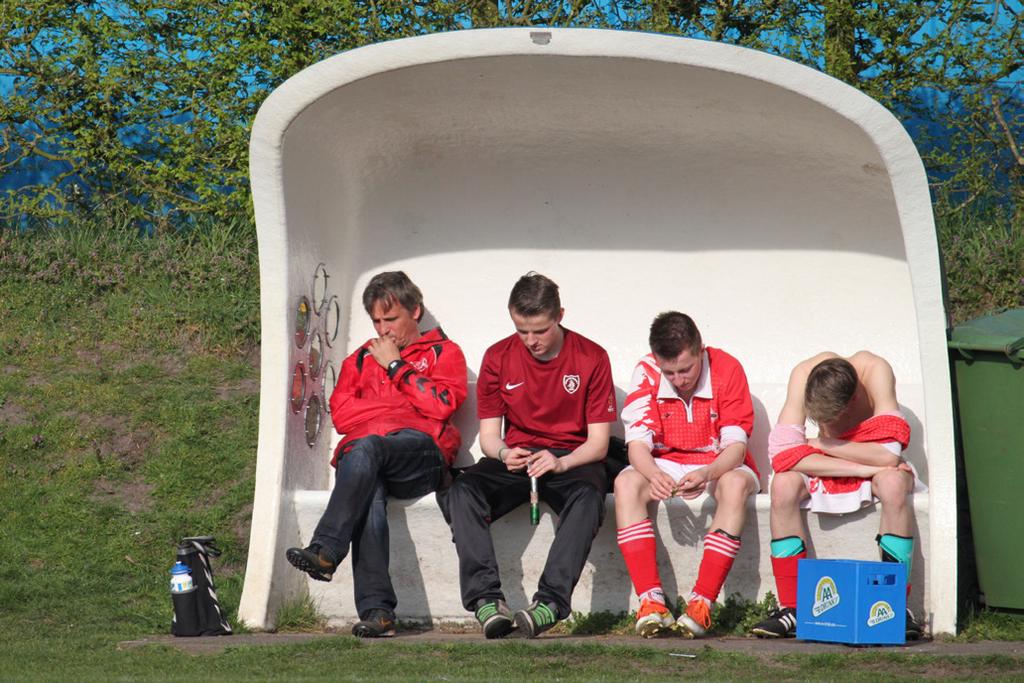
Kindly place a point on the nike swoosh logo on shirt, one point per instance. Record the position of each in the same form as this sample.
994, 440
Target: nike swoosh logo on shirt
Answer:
509, 386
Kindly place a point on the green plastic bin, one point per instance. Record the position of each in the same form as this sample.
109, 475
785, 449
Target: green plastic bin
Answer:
988, 361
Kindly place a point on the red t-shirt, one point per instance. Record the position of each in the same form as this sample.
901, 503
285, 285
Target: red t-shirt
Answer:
546, 404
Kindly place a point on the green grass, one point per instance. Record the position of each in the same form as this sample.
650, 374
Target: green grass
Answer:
299, 616
983, 255
128, 418
733, 617
345, 658
898, 666
992, 625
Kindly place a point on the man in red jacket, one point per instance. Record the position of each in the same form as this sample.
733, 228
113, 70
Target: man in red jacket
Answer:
393, 403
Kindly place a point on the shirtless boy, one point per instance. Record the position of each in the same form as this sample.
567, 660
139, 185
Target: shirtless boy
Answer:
855, 461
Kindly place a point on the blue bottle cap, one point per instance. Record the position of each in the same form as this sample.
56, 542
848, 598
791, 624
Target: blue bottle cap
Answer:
180, 568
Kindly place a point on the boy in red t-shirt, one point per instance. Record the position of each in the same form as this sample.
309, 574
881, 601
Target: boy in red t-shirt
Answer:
553, 390
688, 415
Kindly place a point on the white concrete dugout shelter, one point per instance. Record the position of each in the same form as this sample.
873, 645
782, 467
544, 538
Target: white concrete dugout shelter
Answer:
787, 212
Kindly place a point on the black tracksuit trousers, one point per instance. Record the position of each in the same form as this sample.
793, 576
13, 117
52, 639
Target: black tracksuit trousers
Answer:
487, 490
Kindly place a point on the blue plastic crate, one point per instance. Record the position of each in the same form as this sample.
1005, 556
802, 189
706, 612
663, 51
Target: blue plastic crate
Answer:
853, 602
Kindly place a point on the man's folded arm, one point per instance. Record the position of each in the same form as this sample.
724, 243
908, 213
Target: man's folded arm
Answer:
349, 411
439, 395
876, 454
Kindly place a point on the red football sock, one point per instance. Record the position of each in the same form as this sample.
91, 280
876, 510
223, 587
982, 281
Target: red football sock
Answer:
636, 542
720, 551
784, 569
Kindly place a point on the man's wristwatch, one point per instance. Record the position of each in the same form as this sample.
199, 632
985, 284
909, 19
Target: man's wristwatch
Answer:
394, 365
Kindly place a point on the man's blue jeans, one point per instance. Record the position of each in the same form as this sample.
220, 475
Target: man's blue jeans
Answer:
403, 464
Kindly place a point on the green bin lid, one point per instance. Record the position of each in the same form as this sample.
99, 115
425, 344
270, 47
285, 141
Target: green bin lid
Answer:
1002, 333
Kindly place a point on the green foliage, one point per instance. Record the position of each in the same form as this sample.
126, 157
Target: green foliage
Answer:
599, 623
300, 615
146, 106
195, 284
737, 616
991, 625
983, 254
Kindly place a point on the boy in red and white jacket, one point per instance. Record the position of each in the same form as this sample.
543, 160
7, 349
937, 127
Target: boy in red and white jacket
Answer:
687, 417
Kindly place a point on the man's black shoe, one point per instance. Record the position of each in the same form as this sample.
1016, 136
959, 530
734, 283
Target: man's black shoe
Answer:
379, 623
780, 624
312, 561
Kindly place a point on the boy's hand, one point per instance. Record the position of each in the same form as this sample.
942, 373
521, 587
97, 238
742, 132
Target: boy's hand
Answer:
542, 462
515, 459
694, 483
663, 486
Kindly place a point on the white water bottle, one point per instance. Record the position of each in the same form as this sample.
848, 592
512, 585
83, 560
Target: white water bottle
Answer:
181, 578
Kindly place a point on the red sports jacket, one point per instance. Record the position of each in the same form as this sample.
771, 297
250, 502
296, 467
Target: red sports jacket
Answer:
423, 394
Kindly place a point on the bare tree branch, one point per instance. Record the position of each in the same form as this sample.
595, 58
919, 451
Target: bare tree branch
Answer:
961, 206
1010, 140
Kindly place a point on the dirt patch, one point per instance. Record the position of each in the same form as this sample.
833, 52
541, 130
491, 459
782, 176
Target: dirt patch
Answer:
124, 444
113, 357
134, 496
249, 386
227, 391
106, 355
213, 646
12, 414
935, 659
171, 365
89, 357
36, 380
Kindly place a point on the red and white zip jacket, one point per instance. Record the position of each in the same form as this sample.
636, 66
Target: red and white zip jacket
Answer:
423, 393
720, 413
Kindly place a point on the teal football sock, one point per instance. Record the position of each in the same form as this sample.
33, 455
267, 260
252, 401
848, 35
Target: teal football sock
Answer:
897, 549
787, 547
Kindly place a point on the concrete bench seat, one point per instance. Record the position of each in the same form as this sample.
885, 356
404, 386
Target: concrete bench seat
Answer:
425, 569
